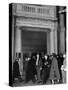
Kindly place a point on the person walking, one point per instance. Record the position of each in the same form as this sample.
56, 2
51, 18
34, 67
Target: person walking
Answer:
38, 68
31, 70
16, 72
54, 71
46, 69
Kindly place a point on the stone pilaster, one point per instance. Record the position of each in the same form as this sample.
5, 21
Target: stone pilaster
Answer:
62, 33
51, 42
55, 38
18, 40
18, 48
62, 40
48, 42
13, 39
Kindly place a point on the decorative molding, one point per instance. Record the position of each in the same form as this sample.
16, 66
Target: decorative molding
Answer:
34, 29
34, 23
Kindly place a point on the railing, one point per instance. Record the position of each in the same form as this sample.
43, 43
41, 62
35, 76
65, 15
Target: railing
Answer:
44, 11
35, 9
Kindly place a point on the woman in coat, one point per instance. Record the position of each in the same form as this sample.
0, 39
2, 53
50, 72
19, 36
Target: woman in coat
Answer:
54, 71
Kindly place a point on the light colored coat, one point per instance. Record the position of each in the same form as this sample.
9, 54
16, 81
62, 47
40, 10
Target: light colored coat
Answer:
54, 71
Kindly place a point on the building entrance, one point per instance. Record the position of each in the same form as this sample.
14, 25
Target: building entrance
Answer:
33, 40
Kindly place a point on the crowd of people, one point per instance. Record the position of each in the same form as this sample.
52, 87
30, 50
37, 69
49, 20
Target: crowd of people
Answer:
42, 68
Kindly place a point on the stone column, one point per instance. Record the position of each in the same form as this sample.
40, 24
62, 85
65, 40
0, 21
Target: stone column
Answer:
62, 40
48, 42
18, 40
13, 39
55, 38
18, 47
62, 33
51, 41
55, 41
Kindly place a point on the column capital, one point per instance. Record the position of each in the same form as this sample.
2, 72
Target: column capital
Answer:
55, 26
53, 30
17, 27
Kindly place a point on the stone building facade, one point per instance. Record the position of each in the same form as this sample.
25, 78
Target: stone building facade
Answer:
35, 18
